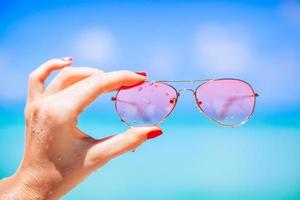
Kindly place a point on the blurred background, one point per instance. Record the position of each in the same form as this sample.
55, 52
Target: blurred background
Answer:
258, 41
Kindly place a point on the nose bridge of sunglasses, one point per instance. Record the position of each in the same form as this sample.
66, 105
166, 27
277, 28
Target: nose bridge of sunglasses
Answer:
182, 90
186, 89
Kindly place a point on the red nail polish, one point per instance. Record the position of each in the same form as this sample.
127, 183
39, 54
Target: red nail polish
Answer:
142, 73
154, 134
130, 86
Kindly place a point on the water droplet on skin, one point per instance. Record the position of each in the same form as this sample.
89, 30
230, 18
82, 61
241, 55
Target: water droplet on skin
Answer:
140, 89
37, 197
46, 146
59, 158
67, 169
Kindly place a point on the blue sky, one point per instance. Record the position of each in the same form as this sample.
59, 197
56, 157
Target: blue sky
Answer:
257, 41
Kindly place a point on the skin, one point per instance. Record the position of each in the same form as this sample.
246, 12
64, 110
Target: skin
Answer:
58, 155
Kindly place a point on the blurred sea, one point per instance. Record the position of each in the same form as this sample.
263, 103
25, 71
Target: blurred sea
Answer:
194, 159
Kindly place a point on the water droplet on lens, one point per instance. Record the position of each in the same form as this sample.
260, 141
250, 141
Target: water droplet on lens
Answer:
140, 89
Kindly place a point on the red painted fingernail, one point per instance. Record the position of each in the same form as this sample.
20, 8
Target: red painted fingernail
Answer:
142, 73
67, 59
154, 134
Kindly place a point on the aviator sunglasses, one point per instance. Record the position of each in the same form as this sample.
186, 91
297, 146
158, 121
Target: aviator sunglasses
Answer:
227, 101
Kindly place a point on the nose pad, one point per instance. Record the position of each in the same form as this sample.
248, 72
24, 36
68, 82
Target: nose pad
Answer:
173, 100
199, 102
198, 105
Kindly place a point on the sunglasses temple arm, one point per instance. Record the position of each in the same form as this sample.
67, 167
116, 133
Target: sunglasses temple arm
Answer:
143, 114
230, 101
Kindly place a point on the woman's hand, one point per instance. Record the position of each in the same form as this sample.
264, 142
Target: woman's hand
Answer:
58, 155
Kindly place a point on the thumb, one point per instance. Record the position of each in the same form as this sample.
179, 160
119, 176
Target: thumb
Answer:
113, 146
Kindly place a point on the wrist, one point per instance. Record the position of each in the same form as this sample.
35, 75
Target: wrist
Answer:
30, 185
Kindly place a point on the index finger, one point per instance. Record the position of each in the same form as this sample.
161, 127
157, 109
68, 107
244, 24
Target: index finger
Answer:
83, 93
39, 75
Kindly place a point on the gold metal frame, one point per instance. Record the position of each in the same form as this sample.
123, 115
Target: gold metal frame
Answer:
204, 81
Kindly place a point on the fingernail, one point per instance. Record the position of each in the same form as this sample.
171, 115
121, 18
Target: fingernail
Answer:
154, 134
67, 59
142, 73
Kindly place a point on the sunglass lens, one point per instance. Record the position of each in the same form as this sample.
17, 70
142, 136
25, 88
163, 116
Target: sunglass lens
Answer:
229, 102
145, 104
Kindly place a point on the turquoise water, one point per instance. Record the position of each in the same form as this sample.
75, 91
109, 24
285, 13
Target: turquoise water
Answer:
194, 159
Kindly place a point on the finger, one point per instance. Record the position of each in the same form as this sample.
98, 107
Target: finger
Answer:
104, 150
83, 93
38, 76
68, 76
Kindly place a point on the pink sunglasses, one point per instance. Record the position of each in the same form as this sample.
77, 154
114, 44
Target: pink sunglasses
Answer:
228, 102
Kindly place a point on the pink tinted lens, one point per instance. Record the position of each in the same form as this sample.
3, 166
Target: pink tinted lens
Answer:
145, 104
229, 102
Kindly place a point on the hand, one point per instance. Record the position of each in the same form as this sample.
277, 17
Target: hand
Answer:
58, 155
